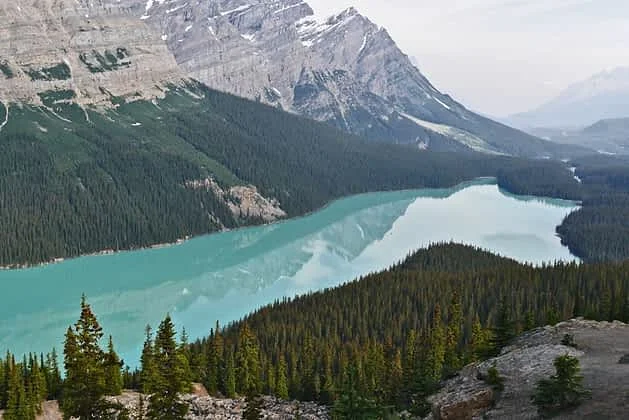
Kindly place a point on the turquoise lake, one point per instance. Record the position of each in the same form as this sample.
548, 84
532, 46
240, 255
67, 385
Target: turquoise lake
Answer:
227, 275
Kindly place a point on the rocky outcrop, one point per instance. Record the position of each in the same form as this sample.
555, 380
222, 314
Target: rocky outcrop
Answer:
529, 359
86, 51
244, 201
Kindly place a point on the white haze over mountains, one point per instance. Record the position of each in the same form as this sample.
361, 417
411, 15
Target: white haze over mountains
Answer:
502, 57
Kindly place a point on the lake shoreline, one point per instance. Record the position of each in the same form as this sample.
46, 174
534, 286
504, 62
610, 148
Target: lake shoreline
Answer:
488, 180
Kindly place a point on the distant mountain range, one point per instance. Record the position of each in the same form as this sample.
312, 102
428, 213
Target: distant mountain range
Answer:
605, 136
603, 96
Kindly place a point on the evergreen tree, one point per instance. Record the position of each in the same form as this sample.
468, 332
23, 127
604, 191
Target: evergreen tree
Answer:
148, 375
253, 409
437, 347
352, 404
281, 389
84, 385
454, 332
165, 402
247, 362
113, 376
562, 390
504, 328
230, 375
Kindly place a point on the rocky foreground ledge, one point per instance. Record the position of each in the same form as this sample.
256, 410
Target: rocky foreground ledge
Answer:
601, 348
203, 407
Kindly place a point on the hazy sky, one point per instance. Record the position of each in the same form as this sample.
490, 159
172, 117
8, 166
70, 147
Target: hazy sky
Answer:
502, 56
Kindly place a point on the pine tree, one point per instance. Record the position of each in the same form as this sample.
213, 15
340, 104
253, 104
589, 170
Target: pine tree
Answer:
563, 390
148, 374
351, 404
253, 409
282, 381
309, 379
84, 386
53, 378
230, 375
165, 403
185, 356
437, 349
454, 332
113, 376
247, 362
504, 329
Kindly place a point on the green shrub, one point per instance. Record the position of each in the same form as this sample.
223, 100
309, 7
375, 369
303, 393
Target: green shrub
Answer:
561, 391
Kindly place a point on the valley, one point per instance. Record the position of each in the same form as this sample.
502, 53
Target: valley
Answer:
308, 216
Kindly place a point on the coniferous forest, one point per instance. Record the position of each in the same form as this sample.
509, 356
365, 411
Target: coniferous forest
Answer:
116, 180
379, 344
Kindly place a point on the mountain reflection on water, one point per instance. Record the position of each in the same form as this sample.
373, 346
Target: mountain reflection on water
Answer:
227, 275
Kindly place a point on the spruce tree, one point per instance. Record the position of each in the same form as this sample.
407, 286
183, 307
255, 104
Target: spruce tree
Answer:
562, 390
504, 328
281, 388
148, 373
84, 385
253, 409
454, 332
247, 362
165, 402
230, 375
113, 376
437, 349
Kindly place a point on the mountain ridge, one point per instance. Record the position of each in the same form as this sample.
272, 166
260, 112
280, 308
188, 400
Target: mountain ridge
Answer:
344, 70
604, 95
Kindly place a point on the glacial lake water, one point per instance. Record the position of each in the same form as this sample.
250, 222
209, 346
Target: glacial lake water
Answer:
224, 276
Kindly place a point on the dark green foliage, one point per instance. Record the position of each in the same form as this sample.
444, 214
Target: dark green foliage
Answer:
86, 367
494, 379
253, 410
6, 70
353, 404
599, 231
568, 340
170, 377
392, 327
107, 61
561, 391
113, 376
60, 71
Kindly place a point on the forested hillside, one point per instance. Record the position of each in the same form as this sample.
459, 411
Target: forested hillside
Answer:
76, 181
380, 343
599, 231
396, 334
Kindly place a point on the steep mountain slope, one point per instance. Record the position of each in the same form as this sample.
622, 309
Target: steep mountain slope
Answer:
344, 70
94, 49
607, 136
602, 96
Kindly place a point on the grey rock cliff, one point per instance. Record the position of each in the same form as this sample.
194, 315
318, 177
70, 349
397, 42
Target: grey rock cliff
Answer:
94, 48
600, 346
344, 70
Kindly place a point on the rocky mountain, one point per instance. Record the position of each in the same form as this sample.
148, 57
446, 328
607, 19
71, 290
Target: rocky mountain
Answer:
603, 96
601, 347
79, 50
606, 136
344, 70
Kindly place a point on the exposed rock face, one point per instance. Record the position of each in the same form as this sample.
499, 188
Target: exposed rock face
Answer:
529, 359
93, 48
244, 201
345, 70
